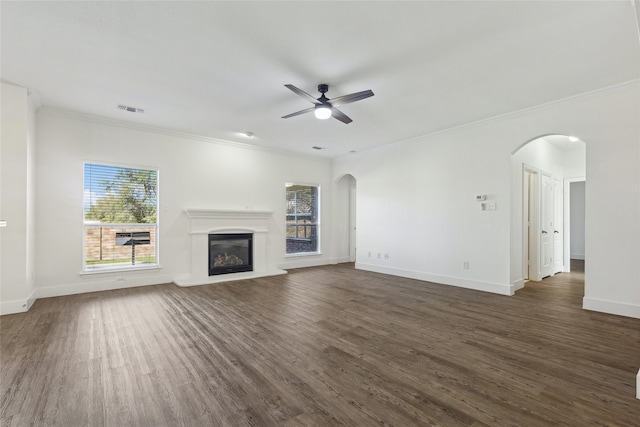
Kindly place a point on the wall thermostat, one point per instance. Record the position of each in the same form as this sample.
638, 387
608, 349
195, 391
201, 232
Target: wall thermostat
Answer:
481, 197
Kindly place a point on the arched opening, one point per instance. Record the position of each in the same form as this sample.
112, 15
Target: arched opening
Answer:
344, 227
542, 172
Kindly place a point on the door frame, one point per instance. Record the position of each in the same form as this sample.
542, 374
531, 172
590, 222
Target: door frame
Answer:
558, 223
567, 220
531, 222
352, 223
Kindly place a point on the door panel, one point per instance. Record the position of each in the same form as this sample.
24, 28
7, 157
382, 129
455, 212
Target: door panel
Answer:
546, 226
531, 224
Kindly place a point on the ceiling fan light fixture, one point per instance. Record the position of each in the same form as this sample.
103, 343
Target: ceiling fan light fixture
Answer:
322, 111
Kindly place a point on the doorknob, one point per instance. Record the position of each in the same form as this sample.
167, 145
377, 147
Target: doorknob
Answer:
544, 232
556, 231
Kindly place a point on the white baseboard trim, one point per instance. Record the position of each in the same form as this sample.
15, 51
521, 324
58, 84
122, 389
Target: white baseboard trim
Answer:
17, 306
515, 285
13, 307
611, 307
100, 285
302, 263
638, 385
31, 299
577, 256
477, 285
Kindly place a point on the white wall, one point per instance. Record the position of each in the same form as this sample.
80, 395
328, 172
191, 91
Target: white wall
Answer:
576, 209
574, 162
193, 173
416, 203
16, 200
416, 199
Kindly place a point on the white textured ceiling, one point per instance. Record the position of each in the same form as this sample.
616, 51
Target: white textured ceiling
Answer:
218, 68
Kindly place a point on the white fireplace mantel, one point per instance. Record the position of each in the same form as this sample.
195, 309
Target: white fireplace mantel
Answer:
206, 221
210, 221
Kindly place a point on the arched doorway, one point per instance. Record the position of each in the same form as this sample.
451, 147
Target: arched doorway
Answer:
542, 170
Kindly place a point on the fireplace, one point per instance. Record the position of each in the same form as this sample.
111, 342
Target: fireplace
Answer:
206, 222
230, 253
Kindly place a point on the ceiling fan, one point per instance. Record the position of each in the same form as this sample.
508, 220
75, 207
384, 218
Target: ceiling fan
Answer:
325, 107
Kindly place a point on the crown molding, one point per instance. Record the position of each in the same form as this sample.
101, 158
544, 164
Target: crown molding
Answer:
631, 84
174, 133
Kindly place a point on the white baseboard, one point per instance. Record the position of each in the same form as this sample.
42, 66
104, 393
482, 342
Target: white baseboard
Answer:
515, 285
31, 299
298, 262
13, 307
611, 307
100, 285
577, 256
17, 306
496, 288
638, 385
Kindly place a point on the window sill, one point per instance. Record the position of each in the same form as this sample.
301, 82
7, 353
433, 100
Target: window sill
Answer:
119, 270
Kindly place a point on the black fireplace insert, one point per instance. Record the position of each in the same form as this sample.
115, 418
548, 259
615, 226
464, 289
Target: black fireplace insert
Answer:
230, 253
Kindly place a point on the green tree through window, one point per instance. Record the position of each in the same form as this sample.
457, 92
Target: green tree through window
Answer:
129, 197
119, 202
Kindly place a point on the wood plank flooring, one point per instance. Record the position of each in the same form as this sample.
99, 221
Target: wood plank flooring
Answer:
320, 346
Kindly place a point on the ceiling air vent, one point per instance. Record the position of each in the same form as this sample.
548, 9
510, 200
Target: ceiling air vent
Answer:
130, 109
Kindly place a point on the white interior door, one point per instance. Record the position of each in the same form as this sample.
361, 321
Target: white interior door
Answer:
558, 226
546, 226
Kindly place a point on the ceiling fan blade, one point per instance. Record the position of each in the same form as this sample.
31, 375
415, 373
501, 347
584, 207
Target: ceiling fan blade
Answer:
297, 113
340, 115
353, 97
302, 93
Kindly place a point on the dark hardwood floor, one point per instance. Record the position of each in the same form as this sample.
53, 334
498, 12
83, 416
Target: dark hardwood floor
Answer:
320, 346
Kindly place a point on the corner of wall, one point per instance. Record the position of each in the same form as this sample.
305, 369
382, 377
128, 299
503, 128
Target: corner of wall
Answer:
516, 285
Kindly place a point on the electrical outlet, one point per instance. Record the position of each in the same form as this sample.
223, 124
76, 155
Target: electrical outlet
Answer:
378, 255
120, 279
386, 256
465, 265
369, 254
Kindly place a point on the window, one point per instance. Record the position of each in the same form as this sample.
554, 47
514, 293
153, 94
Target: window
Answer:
120, 218
303, 216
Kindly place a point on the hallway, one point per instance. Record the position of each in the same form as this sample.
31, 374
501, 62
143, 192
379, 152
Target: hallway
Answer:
563, 288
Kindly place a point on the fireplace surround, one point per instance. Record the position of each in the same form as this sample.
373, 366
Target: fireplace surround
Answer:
203, 222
